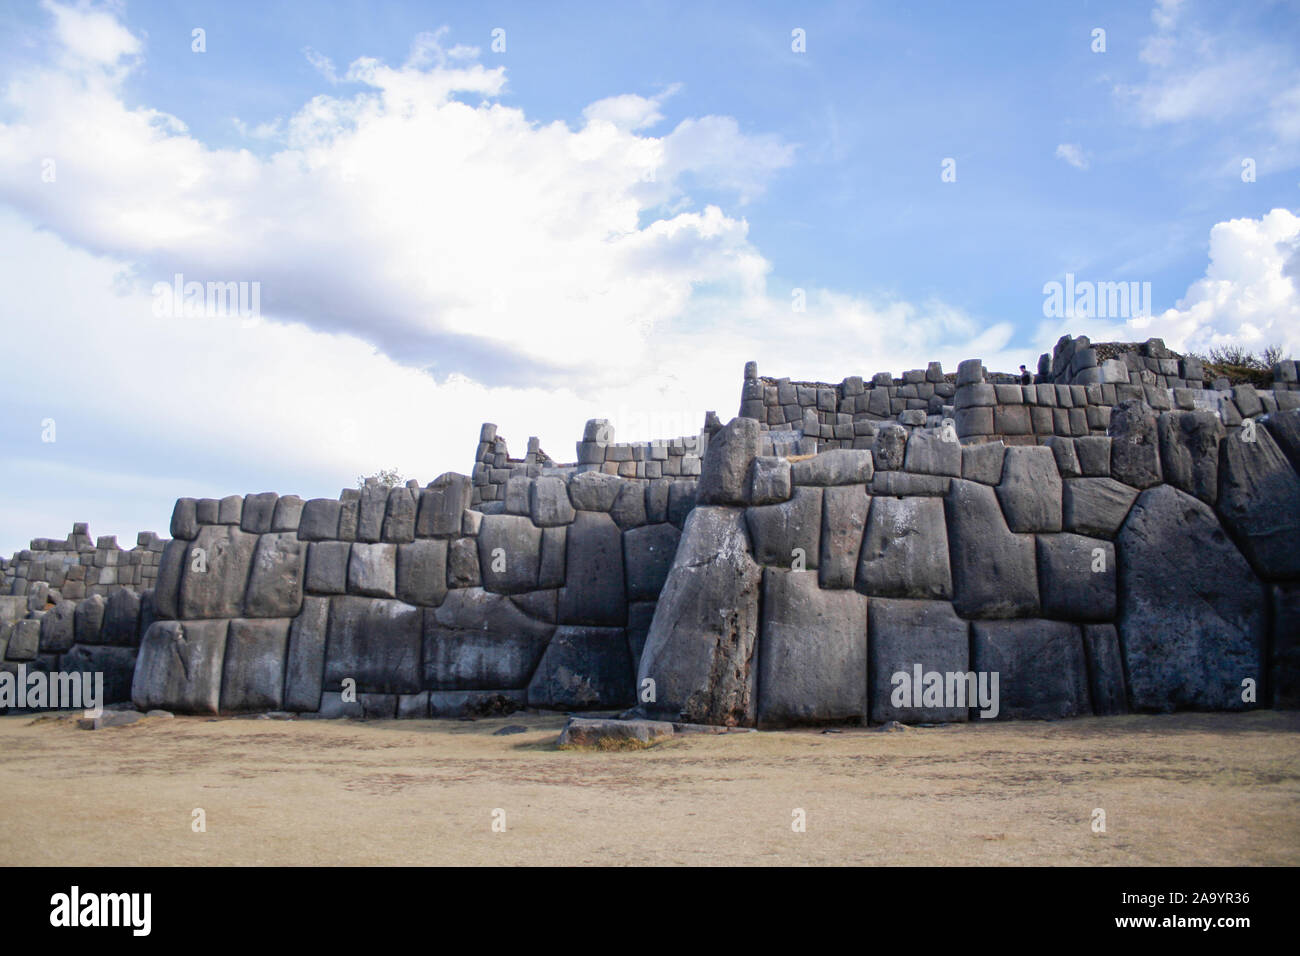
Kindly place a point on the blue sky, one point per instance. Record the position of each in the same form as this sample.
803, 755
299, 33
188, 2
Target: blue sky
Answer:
607, 218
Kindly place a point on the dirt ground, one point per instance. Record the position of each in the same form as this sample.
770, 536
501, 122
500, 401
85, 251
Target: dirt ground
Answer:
1188, 789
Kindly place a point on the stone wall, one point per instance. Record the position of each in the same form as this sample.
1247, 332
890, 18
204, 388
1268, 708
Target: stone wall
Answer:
1132, 547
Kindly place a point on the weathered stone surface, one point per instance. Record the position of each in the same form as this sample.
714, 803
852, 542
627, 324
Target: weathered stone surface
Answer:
477, 640
58, 628
88, 620
253, 676
1285, 428
839, 466
629, 507
1191, 613
889, 447
327, 567
604, 733
255, 518
422, 571
1076, 577
903, 484
376, 643
121, 619
1096, 506
24, 640
548, 502
726, 463
1134, 449
288, 513
185, 523
1067, 459
462, 564
207, 510
994, 573
1189, 451
476, 703
231, 509
320, 520
276, 580
594, 491
509, 553
1030, 489
681, 499
648, 555
700, 650
372, 570
783, 534
583, 668
656, 502
304, 669
1105, 669
117, 664
1041, 668
370, 518
441, 504
983, 462
639, 616
812, 655
213, 582
1093, 452
399, 519
930, 453
844, 518
180, 666
1284, 663
593, 590
769, 480
903, 635
1259, 501
905, 550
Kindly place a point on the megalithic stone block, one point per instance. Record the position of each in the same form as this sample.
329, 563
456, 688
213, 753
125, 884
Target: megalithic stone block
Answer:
994, 573
180, 667
253, 674
305, 658
441, 505
275, 584
215, 574
726, 462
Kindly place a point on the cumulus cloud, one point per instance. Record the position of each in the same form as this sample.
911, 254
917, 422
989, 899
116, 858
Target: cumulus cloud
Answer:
1072, 153
1249, 295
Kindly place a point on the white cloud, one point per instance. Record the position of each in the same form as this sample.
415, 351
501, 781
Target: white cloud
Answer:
1072, 153
1249, 295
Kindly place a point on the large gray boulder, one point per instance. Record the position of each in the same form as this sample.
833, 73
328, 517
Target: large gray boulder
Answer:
441, 505
548, 502
1189, 451
58, 628
889, 447
304, 668
594, 491
769, 480
509, 553
116, 664
983, 462
327, 567
844, 519
905, 634
648, 555
1076, 577
726, 463
253, 675
1105, 669
1259, 502
185, 523
994, 572
930, 453
629, 507
477, 640
171, 569
1135, 445
839, 466
89, 619
1285, 429
372, 569
121, 619
257, 512
593, 591
399, 519
370, 519
179, 667
276, 579
1096, 506
375, 642
1041, 667
320, 520
700, 649
583, 668
422, 571
1191, 611
812, 655
213, 581
905, 550
784, 533
1030, 489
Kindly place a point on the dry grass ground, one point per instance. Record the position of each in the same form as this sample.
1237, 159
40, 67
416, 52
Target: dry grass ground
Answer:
1188, 789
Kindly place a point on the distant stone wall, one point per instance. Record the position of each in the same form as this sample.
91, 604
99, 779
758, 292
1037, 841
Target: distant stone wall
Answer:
78, 566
